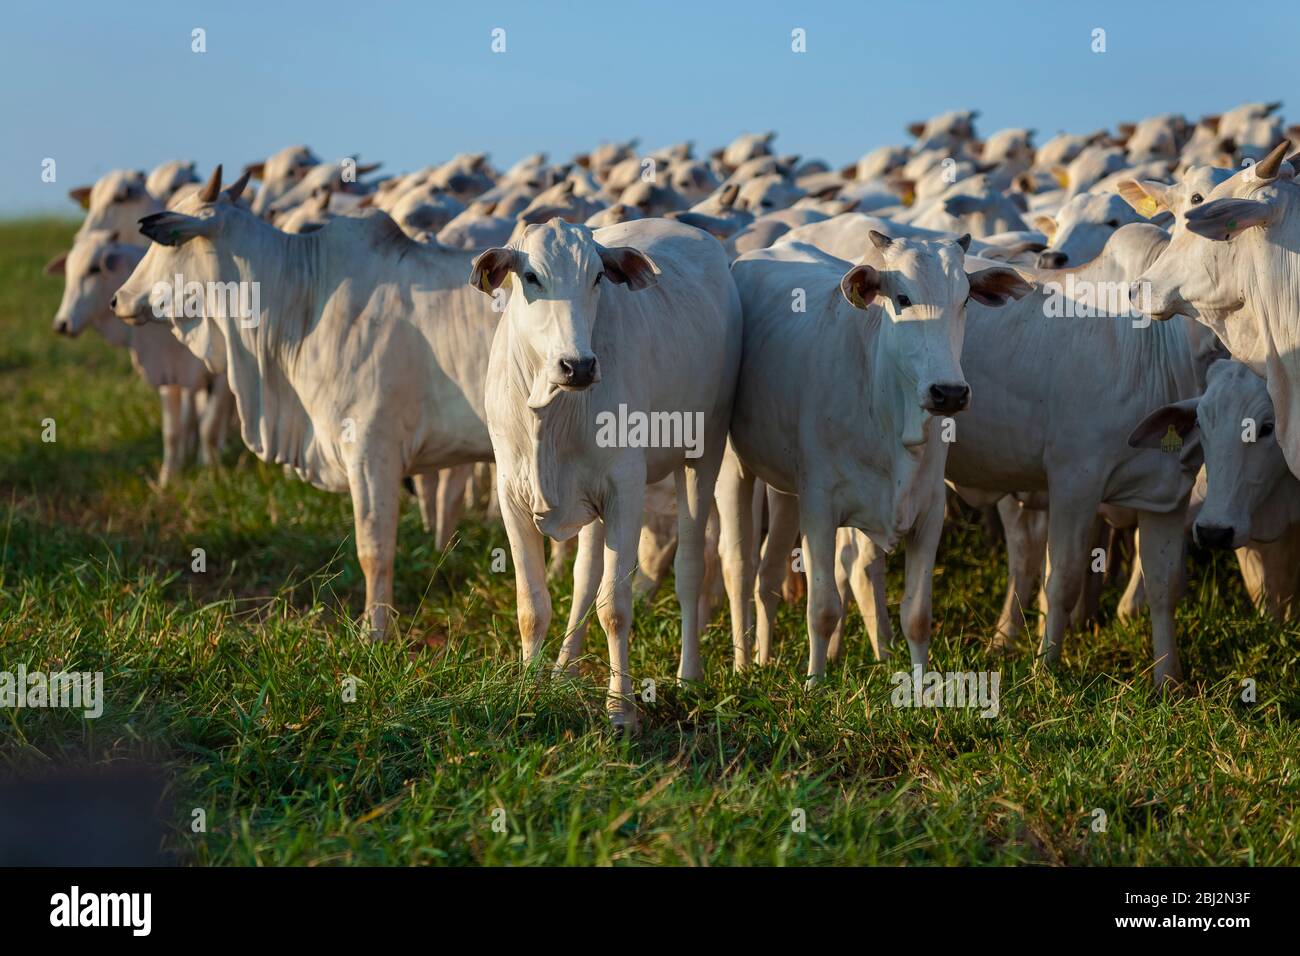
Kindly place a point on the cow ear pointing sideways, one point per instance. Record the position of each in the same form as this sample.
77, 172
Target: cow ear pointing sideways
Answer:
629, 267
491, 268
860, 286
1179, 416
997, 285
1222, 219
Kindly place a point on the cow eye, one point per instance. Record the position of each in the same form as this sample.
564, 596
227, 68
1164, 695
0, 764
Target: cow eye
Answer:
1113, 223
904, 302
599, 276
94, 270
531, 278
1197, 199
1265, 429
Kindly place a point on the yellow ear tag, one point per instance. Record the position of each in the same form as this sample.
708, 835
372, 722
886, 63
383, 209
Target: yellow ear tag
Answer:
909, 197
1062, 178
485, 282
1171, 442
1148, 207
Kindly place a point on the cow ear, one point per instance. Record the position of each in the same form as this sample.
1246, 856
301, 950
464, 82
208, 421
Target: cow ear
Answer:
916, 129
961, 205
1152, 430
860, 286
997, 285
491, 268
173, 228
1222, 219
727, 197
630, 267
721, 229
81, 196
256, 170
1147, 197
57, 266
1045, 224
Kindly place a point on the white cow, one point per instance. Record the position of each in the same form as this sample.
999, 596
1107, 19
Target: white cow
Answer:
193, 399
833, 411
608, 334
366, 363
1059, 395
1233, 263
1251, 501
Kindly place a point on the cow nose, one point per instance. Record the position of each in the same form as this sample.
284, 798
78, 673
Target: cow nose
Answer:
578, 372
60, 327
1051, 259
946, 399
112, 303
1214, 536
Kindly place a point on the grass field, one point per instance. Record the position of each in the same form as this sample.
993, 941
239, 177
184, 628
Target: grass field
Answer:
232, 680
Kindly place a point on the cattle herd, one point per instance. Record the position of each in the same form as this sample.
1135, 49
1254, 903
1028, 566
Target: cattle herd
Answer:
746, 363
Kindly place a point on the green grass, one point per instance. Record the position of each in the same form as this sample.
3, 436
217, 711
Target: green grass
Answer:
233, 680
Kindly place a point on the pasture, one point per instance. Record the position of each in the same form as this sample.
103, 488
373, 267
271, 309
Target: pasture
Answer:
234, 679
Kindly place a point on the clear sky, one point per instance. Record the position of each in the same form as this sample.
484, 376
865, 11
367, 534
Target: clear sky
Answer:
99, 86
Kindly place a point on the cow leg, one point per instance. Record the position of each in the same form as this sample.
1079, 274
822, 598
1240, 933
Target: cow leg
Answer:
450, 503
1069, 532
623, 510
695, 482
376, 492
215, 422
532, 599
654, 555
1134, 596
560, 552
1025, 531
1160, 543
922, 543
586, 582
824, 607
173, 429
735, 494
867, 580
782, 533
426, 493
1085, 612
846, 553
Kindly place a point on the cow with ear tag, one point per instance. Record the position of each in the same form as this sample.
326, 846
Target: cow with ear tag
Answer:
613, 366
848, 376
1249, 500
1233, 264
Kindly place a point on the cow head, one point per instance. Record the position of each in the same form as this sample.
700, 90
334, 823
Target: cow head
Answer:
1207, 268
93, 269
559, 272
1243, 462
279, 173
1078, 233
181, 245
923, 287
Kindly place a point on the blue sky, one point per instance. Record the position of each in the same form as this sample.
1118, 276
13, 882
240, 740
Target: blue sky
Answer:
98, 86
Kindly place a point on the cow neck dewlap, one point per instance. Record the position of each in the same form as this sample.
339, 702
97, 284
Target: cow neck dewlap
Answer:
263, 360
556, 428
1271, 300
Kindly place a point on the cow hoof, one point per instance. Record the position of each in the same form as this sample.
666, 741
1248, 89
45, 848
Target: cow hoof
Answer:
624, 724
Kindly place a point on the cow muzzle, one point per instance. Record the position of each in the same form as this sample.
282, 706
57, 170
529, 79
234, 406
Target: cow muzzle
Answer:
947, 399
575, 373
1214, 536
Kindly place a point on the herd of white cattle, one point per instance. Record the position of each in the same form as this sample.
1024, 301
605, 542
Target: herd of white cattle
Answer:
852, 344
